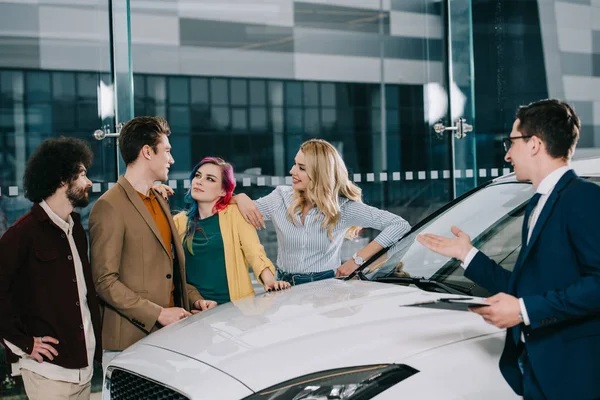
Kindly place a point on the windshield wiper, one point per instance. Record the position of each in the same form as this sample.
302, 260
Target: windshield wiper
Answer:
423, 283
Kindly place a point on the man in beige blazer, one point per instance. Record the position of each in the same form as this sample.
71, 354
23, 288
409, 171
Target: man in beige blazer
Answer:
137, 260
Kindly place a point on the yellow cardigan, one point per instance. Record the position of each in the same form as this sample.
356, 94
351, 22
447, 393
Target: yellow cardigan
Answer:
242, 248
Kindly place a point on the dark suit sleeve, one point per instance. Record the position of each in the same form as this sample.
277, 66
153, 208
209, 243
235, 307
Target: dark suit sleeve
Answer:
13, 250
488, 274
581, 298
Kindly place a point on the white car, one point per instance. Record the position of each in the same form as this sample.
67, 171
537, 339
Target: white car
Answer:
388, 335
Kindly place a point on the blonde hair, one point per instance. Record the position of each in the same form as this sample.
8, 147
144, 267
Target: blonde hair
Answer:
328, 180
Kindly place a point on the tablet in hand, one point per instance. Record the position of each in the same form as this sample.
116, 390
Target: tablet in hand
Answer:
468, 301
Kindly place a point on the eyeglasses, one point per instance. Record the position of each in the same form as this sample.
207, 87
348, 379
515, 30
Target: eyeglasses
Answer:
507, 142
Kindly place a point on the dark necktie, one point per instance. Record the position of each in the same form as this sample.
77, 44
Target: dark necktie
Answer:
528, 212
516, 331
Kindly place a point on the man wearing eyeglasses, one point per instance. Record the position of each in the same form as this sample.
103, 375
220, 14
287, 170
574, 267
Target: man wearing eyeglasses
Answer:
550, 302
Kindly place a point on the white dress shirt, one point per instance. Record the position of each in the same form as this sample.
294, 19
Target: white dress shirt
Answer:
545, 189
52, 371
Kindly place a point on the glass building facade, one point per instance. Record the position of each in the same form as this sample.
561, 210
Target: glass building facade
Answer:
250, 81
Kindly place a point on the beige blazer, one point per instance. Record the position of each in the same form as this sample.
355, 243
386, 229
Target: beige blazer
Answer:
131, 267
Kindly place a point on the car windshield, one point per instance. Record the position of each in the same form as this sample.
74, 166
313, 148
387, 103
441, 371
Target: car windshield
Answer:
491, 216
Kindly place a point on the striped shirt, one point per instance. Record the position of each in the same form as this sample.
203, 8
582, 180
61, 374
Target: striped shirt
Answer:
307, 248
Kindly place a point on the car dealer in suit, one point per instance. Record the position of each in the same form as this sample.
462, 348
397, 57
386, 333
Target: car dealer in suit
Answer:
550, 302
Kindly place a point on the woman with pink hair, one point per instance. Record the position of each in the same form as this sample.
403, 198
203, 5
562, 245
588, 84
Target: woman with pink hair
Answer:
218, 242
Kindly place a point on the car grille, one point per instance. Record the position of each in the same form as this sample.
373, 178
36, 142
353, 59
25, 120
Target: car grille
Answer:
127, 386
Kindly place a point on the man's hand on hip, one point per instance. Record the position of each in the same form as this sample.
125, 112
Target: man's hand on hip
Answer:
457, 247
172, 314
42, 348
504, 311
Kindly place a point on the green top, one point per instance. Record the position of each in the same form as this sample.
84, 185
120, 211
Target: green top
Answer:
206, 268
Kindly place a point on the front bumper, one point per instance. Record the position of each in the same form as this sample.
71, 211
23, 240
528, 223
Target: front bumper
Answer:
150, 368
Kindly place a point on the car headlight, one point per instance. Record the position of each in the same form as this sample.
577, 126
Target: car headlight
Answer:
354, 383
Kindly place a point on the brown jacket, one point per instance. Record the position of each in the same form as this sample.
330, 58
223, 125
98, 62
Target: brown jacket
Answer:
132, 270
38, 288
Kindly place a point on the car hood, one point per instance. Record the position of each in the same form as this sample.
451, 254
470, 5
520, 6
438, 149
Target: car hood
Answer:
317, 327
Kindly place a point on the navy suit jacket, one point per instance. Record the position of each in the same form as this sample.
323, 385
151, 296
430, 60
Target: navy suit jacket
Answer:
558, 276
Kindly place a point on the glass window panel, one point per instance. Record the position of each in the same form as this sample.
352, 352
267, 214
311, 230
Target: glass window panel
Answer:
311, 94
239, 92
328, 95
329, 117
7, 118
360, 94
311, 120
87, 85
258, 118
38, 87
11, 85
292, 144
139, 108
376, 97
199, 88
106, 78
178, 90
63, 86
158, 110
179, 119
346, 120
391, 96
139, 86
157, 90
63, 115
375, 120
277, 119
293, 120
218, 91
258, 96
239, 120
39, 118
392, 120
276, 93
87, 116
220, 117
200, 118
293, 93
34, 139
182, 154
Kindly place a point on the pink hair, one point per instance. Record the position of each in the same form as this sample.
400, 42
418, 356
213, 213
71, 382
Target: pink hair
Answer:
228, 180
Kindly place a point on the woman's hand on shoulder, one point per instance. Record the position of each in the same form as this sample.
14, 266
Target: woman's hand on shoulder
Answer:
164, 190
249, 211
276, 285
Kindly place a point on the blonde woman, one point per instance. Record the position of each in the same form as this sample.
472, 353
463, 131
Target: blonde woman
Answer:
314, 215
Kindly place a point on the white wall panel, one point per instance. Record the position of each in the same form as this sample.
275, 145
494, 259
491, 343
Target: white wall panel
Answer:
154, 29
582, 88
74, 55
322, 67
272, 12
74, 23
575, 40
577, 16
227, 62
370, 4
416, 25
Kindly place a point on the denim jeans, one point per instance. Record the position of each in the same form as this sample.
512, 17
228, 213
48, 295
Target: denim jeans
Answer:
299, 279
